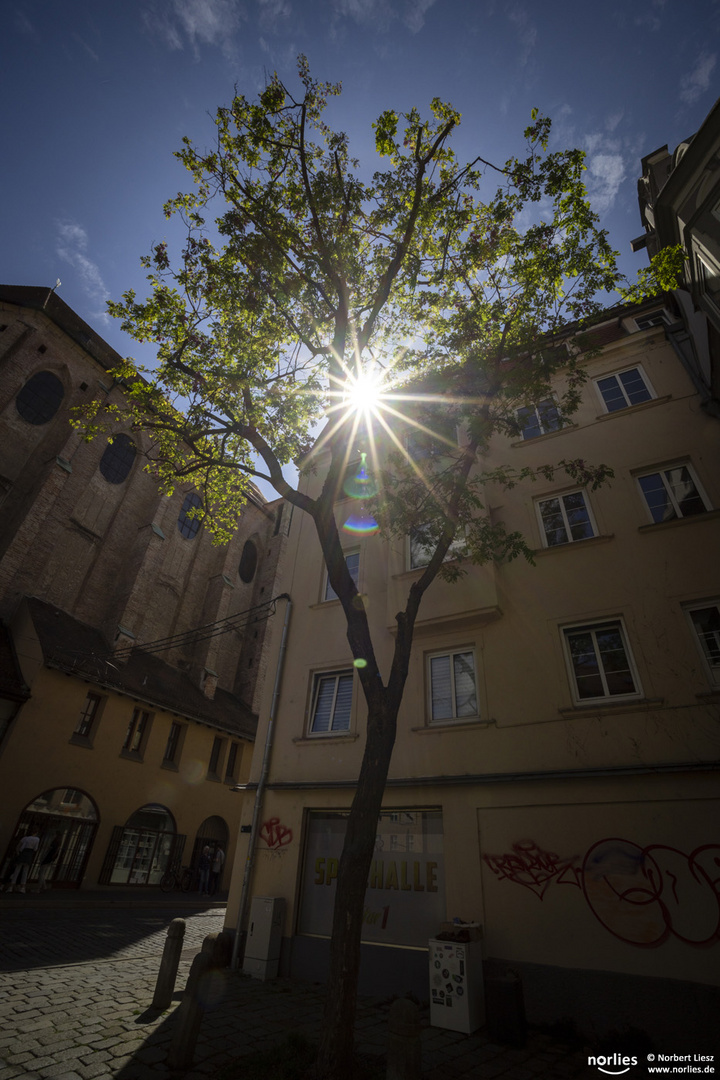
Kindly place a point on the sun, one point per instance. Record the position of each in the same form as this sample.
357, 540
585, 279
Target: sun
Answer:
363, 392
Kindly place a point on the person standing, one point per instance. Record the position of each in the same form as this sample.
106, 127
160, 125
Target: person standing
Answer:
26, 852
216, 872
47, 863
204, 870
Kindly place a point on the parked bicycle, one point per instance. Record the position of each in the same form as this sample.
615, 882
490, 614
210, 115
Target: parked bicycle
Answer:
182, 878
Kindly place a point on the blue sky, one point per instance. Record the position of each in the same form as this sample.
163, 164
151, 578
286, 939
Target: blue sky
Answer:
98, 96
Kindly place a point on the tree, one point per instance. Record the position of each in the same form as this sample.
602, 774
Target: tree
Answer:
312, 282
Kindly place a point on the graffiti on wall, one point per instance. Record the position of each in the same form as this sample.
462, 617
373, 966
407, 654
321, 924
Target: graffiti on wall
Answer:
275, 834
527, 864
641, 895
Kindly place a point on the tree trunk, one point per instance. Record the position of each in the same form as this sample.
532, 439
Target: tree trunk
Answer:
336, 1055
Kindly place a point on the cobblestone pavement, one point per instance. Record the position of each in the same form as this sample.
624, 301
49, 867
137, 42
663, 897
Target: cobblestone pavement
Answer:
91, 1017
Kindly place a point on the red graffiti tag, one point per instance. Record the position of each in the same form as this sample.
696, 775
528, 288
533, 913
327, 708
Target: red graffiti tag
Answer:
643, 895
274, 834
532, 867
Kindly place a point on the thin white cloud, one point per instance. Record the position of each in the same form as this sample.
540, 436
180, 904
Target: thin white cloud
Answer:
605, 173
414, 17
519, 16
196, 23
273, 12
23, 24
72, 246
696, 82
376, 13
91, 52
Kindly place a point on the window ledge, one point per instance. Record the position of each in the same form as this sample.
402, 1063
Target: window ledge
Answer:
214, 777
709, 515
603, 706
308, 740
547, 435
170, 765
131, 755
591, 541
81, 740
452, 725
634, 408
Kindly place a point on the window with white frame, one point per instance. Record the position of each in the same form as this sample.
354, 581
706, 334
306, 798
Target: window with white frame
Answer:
421, 550
705, 621
624, 388
331, 702
565, 519
137, 732
352, 560
452, 690
539, 419
673, 492
652, 318
600, 662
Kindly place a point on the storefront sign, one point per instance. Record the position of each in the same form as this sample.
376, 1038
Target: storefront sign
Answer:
405, 898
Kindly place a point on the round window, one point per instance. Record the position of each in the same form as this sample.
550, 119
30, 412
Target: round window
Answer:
116, 462
40, 398
248, 562
188, 525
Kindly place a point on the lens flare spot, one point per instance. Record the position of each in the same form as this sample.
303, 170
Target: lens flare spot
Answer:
193, 771
361, 525
359, 663
360, 486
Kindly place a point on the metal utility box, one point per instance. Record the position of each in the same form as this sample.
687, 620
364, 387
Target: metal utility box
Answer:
456, 985
262, 949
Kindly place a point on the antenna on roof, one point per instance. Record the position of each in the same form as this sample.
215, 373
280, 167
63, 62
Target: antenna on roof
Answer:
57, 285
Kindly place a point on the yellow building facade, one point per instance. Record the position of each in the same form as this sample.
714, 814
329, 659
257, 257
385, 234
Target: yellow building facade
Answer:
132, 646
554, 777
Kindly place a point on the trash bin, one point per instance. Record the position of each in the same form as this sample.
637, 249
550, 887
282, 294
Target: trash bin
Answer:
456, 981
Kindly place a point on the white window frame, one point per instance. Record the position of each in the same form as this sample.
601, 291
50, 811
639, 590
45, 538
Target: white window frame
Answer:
328, 592
712, 669
592, 627
137, 733
457, 550
318, 678
660, 471
616, 375
535, 405
650, 319
563, 511
454, 719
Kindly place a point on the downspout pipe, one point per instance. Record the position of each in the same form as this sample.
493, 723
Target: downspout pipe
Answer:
257, 808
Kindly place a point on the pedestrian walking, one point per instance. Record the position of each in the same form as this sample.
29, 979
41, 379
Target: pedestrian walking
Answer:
47, 863
26, 852
204, 870
216, 872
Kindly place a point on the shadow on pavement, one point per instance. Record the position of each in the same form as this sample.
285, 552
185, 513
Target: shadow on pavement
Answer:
44, 932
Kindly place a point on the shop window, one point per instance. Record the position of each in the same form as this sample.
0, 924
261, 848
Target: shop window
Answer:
40, 398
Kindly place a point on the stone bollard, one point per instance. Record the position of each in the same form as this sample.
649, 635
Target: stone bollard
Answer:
403, 1048
189, 1014
165, 985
